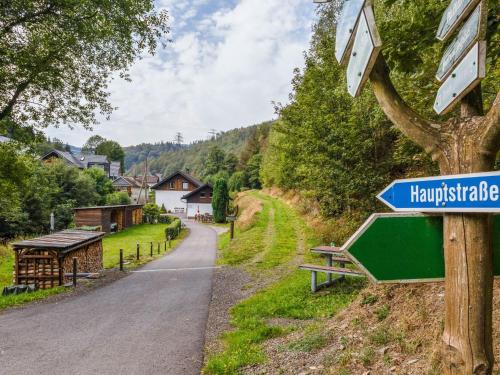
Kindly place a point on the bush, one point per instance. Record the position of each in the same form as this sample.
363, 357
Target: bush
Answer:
173, 229
163, 210
117, 198
165, 219
151, 213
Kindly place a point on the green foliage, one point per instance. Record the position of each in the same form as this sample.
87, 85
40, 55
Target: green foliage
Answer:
103, 185
173, 229
113, 151
236, 181
163, 210
91, 145
220, 201
151, 213
117, 198
58, 56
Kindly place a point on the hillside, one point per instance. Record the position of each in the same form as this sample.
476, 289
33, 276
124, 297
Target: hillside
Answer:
166, 158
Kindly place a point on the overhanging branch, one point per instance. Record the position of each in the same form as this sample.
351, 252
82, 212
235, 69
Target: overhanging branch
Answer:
413, 125
491, 124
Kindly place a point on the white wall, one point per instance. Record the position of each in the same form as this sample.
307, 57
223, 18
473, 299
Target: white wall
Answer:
201, 208
171, 199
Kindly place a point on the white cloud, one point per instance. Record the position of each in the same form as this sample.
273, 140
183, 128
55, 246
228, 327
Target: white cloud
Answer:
223, 70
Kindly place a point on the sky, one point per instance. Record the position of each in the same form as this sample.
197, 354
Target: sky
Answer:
228, 61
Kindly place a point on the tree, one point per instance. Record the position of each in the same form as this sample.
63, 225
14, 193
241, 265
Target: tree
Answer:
58, 56
151, 213
102, 184
220, 201
113, 151
236, 181
214, 162
230, 163
92, 143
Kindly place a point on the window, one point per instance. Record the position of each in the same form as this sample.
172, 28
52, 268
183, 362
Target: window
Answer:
202, 195
185, 185
171, 185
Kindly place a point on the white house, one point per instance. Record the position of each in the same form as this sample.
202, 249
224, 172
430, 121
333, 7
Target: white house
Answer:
171, 191
199, 201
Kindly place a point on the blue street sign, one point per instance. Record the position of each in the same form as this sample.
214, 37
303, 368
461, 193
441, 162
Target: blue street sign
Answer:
478, 192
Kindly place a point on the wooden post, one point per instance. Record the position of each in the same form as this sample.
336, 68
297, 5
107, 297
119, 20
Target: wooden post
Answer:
169, 242
121, 259
151, 249
158, 248
466, 144
165, 246
232, 229
75, 266
138, 255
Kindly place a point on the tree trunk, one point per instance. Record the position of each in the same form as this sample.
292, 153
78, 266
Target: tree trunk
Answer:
468, 252
468, 294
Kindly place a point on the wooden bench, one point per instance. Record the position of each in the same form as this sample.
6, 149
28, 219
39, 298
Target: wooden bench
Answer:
332, 255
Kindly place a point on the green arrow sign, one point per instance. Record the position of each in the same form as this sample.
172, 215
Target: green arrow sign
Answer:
395, 248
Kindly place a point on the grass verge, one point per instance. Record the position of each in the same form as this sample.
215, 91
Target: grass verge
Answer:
277, 237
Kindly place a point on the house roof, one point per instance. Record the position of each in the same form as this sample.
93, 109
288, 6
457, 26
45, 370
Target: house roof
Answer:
188, 177
86, 159
191, 193
64, 241
108, 207
150, 179
126, 181
68, 157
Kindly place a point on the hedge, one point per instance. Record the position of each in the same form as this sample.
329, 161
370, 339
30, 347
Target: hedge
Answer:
173, 229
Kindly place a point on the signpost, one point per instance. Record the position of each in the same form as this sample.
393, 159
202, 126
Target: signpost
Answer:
459, 193
463, 80
405, 248
346, 26
465, 39
365, 50
453, 16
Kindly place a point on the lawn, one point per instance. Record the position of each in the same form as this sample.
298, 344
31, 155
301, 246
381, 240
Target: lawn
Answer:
277, 237
128, 239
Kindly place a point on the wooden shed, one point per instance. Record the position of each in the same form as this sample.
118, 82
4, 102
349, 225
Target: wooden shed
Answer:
103, 216
44, 261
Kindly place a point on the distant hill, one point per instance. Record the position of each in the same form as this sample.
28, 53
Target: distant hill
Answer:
166, 158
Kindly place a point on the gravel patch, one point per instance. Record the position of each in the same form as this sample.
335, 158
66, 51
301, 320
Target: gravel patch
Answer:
227, 290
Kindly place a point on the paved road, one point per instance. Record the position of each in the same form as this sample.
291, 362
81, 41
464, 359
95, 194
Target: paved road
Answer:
150, 322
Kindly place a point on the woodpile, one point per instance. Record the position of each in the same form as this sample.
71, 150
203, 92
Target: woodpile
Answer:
44, 261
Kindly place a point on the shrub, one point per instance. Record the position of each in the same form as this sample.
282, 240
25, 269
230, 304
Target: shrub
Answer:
151, 213
117, 198
163, 210
173, 229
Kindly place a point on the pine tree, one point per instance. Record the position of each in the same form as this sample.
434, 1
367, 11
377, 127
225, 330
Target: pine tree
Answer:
220, 200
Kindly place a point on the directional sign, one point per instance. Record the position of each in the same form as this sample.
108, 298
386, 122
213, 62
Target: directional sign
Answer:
459, 193
461, 44
463, 79
453, 16
346, 26
396, 248
364, 52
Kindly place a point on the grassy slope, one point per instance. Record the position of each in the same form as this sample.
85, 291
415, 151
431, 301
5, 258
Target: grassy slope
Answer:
271, 247
126, 240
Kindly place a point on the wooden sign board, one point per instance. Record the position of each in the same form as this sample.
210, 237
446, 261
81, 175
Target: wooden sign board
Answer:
346, 27
463, 79
364, 52
453, 16
468, 35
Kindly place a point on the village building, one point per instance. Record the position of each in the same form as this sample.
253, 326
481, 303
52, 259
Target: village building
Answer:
171, 191
199, 201
133, 186
85, 161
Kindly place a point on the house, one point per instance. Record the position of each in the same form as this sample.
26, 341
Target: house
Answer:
199, 201
171, 190
132, 187
85, 161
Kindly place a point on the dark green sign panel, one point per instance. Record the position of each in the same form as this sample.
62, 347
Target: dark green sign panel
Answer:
405, 247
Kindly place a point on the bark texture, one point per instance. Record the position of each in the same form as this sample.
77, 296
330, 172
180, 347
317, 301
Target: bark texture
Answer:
461, 145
